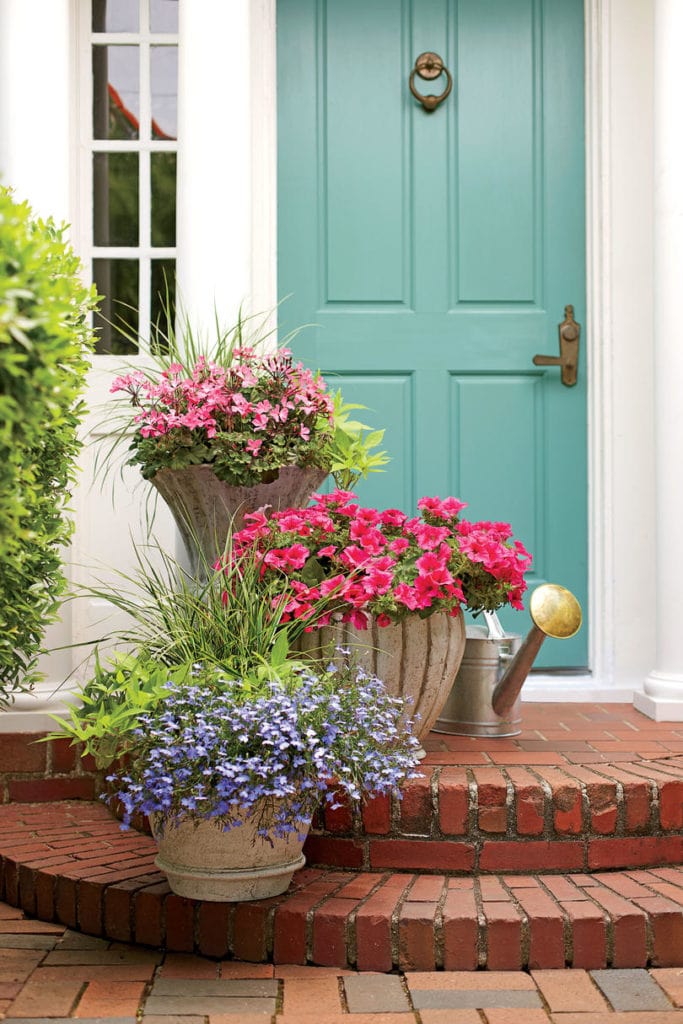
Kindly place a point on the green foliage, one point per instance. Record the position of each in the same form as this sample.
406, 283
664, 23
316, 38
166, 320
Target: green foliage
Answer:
44, 344
176, 624
352, 447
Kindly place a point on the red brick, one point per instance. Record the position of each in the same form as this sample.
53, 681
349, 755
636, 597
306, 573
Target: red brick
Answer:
63, 756
118, 910
638, 805
290, 928
338, 819
338, 853
51, 790
179, 924
303, 995
329, 932
213, 922
90, 907
373, 925
66, 901
148, 905
110, 999
627, 925
546, 928
454, 801
461, 931
416, 805
27, 889
491, 799
567, 802
671, 805
531, 855
361, 886
529, 802
589, 933
251, 929
416, 936
20, 753
427, 889
10, 881
642, 851
376, 814
45, 896
666, 922
503, 937
39, 1000
416, 854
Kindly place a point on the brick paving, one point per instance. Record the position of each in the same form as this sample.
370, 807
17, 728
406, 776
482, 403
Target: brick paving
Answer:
68, 976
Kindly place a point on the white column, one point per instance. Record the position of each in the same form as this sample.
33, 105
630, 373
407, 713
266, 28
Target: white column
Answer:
663, 691
35, 117
214, 159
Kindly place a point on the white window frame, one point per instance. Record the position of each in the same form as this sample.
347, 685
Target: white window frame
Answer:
144, 253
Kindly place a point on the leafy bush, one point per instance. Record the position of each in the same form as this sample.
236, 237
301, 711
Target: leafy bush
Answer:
44, 344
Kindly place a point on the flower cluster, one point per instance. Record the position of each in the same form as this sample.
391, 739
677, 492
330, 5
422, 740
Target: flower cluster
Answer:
363, 561
246, 420
208, 751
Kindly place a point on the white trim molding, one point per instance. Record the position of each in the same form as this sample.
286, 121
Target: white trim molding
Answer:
663, 692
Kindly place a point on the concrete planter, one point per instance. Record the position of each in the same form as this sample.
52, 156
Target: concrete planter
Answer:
203, 863
416, 658
205, 507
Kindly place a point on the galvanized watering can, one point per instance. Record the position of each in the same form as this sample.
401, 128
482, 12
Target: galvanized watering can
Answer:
486, 696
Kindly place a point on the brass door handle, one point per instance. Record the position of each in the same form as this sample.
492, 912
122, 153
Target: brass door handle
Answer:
429, 66
569, 332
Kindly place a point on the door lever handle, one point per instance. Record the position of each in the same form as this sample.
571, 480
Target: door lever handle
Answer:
569, 332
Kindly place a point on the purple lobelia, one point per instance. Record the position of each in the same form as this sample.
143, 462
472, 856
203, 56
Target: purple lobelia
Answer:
220, 749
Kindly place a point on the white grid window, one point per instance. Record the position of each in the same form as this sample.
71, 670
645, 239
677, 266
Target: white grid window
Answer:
129, 129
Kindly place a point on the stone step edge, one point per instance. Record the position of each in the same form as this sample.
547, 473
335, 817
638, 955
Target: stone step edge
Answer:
371, 921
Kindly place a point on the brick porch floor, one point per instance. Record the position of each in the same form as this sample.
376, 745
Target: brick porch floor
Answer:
48, 972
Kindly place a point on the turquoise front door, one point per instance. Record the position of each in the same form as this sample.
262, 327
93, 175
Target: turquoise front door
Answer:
433, 253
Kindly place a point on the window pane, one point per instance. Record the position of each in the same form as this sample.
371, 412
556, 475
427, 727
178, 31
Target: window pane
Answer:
164, 75
163, 303
163, 16
116, 92
117, 321
115, 15
163, 171
115, 199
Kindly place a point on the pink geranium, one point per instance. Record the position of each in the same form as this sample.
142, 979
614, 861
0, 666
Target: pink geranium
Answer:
362, 562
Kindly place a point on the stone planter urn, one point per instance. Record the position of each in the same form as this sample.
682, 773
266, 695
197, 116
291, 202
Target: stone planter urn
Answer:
204, 507
202, 862
416, 658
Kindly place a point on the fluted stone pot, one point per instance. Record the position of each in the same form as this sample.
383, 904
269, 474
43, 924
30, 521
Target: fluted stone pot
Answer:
202, 862
205, 507
417, 658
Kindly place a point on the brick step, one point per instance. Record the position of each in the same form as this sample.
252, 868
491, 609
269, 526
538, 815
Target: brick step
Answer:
71, 863
499, 819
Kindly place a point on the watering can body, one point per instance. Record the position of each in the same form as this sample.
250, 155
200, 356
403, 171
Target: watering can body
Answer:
468, 710
486, 696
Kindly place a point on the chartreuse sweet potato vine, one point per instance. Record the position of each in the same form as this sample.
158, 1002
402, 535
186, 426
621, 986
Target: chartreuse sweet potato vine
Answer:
45, 340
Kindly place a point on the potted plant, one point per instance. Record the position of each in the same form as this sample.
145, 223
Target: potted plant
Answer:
222, 739
391, 584
224, 433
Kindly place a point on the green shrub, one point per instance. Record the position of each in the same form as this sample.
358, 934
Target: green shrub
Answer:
45, 340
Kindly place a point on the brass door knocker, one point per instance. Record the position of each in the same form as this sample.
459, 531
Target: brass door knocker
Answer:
430, 66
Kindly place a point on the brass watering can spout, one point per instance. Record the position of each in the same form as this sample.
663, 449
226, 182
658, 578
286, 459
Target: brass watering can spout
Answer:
555, 613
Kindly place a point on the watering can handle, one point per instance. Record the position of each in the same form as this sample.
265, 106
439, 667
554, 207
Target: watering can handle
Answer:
496, 631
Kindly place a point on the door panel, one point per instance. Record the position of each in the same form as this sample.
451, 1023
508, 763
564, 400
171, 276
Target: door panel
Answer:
432, 254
